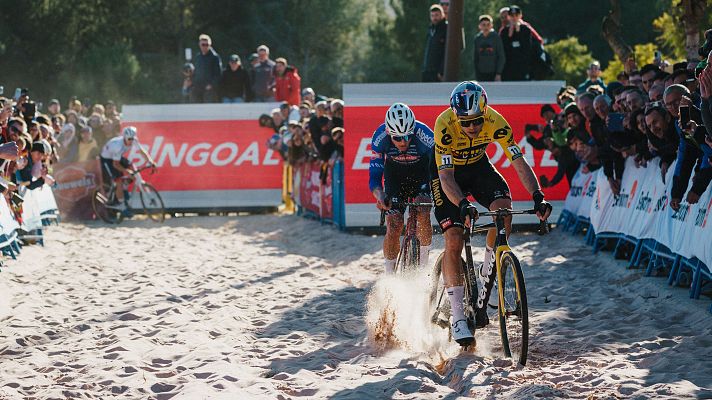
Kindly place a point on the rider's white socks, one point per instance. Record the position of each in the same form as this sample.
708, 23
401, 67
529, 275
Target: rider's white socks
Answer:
389, 266
424, 255
456, 295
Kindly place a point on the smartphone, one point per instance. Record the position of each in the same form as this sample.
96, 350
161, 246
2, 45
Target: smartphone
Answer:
658, 56
684, 116
18, 93
615, 122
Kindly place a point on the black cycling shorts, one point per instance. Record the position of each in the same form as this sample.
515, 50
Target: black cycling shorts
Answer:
109, 172
481, 180
406, 181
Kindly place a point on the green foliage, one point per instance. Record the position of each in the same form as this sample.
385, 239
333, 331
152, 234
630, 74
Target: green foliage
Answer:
132, 51
644, 54
671, 35
570, 58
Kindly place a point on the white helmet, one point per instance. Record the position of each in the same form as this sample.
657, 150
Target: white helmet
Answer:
400, 120
130, 132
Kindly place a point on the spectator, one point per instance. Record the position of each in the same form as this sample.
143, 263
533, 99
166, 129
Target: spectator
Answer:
188, 71
235, 86
278, 118
35, 167
206, 76
520, 45
635, 100
287, 112
296, 153
601, 104
489, 52
445, 4
434, 60
635, 79
337, 134
263, 70
288, 83
656, 92
648, 74
337, 112
594, 78
309, 95
54, 108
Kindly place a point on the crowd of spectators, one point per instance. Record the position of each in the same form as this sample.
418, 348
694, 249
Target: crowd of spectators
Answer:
262, 80
513, 51
656, 113
32, 141
313, 131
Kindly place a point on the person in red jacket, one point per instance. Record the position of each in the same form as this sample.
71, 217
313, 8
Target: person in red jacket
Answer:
288, 83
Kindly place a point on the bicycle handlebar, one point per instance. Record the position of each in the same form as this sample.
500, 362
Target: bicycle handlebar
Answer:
505, 212
406, 204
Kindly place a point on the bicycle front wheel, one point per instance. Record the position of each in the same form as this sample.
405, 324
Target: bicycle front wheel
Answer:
99, 200
513, 311
152, 203
439, 300
409, 256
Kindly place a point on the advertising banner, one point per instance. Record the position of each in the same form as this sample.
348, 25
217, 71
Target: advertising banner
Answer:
642, 210
75, 184
366, 105
209, 156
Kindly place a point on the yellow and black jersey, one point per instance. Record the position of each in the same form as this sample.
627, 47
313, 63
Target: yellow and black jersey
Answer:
453, 147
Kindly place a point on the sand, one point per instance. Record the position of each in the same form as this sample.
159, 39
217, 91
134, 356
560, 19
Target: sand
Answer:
279, 307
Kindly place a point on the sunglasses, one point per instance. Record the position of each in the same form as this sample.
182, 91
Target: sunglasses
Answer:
401, 138
475, 121
204, 45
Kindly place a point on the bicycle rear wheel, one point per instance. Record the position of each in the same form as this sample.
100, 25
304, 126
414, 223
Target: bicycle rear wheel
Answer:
101, 196
513, 311
152, 203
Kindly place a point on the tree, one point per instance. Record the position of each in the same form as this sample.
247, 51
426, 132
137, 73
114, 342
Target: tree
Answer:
611, 30
570, 58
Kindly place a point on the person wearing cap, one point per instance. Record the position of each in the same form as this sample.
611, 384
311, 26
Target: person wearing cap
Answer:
235, 85
263, 74
520, 45
208, 68
434, 58
593, 73
287, 83
489, 52
54, 108
309, 95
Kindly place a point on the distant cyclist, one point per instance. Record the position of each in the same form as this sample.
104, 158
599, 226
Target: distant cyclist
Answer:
462, 134
402, 149
114, 164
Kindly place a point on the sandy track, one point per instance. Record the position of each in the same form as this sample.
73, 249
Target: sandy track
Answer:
275, 306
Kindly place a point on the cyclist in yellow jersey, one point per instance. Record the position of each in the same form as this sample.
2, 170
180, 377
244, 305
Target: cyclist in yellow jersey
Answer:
461, 166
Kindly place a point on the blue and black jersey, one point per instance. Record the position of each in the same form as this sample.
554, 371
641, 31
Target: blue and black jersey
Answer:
419, 151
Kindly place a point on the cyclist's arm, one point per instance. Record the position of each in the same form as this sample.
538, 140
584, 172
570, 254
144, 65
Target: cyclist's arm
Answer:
450, 187
526, 175
375, 176
145, 153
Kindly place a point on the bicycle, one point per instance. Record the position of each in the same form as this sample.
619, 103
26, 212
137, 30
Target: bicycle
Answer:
512, 297
107, 208
408, 258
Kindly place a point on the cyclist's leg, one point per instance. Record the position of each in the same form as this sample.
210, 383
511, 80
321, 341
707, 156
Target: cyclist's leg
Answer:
393, 187
391, 242
448, 216
425, 227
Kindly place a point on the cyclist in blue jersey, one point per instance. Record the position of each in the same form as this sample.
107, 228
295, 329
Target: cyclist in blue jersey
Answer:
402, 148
